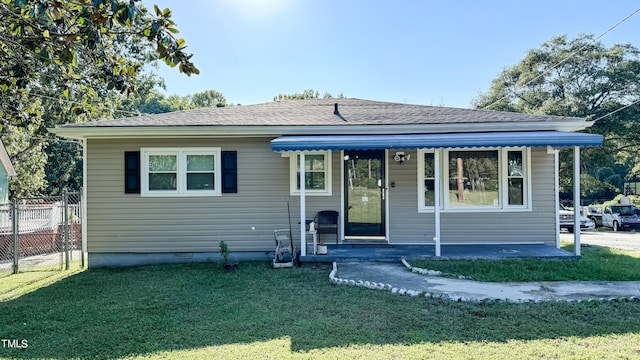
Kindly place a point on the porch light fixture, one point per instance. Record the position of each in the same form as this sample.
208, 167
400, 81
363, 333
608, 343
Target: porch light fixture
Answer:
401, 157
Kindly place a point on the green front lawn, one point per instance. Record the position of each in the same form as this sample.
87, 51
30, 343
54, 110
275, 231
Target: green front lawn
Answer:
31, 279
201, 311
596, 264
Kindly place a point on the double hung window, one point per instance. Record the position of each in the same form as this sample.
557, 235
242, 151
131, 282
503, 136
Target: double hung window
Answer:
187, 171
317, 173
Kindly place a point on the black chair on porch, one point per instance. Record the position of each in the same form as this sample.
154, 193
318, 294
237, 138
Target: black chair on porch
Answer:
326, 222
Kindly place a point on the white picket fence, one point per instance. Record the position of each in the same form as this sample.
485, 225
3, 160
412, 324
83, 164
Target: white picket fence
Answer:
37, 217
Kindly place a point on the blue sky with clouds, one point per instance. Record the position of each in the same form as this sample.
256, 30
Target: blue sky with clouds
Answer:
414, 51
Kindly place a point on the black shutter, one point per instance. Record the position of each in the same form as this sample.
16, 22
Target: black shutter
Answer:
229, 171
132, 172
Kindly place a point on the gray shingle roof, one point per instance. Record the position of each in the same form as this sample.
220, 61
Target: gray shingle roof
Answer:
321, 112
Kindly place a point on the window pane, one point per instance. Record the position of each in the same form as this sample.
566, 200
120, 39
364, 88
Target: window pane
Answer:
312, 180
516, 191
162, 181
315, 172
429, 163
315, 180
473, 178
200, 162
200, 181
312, 162
163, 163
429, 193
515, 163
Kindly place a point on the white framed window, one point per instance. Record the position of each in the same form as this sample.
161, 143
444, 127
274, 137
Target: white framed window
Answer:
317, 173
487, 179
426, 179
473, 179
516, 184
181, 171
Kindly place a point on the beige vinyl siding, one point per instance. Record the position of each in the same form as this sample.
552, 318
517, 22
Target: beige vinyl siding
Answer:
537, 225
119, 222
406, 225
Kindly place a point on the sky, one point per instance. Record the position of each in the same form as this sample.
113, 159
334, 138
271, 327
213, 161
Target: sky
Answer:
440, 53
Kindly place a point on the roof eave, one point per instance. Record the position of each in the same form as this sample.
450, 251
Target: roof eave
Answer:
86, 132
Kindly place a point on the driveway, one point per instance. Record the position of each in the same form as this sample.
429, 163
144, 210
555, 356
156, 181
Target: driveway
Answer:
629, 241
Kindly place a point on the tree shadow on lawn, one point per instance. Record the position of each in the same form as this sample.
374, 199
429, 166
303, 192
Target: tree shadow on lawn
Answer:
111, 313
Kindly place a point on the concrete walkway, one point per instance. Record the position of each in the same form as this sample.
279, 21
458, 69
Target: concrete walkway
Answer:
397, 278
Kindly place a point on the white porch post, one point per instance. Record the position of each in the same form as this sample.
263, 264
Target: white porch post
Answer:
436, 203
84, 201
303, 214
576, 200
557, 192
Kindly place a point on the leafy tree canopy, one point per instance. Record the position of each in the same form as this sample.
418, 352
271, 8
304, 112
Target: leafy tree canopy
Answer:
79, 45
208, 98
307, 94
580, 77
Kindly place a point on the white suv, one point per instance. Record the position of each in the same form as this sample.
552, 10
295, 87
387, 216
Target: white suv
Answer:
566, 220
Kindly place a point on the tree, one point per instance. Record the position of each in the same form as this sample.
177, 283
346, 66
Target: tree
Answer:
27, 157
307, 94
579, 77
76, 60
208, 98
148, 99
54, 39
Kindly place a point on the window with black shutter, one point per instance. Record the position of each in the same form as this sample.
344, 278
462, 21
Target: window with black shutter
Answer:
132, 172
229, 171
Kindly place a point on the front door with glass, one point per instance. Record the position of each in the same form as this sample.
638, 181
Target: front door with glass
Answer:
364, 194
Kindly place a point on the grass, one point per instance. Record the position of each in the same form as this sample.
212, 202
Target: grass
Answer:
365, 211
201, 311
596, 264
33, 278
487, 197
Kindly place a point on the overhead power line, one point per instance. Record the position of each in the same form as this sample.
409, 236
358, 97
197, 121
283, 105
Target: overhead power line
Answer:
615, 111
564, 60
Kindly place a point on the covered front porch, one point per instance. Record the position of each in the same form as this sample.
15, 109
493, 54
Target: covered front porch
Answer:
441, 224
380, 252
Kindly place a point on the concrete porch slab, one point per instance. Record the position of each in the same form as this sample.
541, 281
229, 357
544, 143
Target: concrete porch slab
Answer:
363, 252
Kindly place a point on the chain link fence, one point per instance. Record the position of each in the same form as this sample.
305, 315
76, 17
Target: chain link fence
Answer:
41, 233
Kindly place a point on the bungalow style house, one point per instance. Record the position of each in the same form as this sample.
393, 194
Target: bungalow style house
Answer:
170, 187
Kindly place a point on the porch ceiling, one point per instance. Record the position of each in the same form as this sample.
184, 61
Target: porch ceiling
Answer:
449, 140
